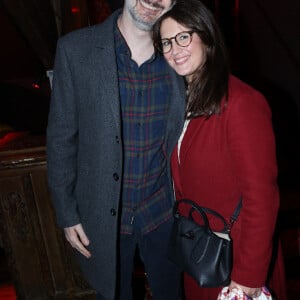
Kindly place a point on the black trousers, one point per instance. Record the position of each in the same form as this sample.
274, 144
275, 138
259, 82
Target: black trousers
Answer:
163, 276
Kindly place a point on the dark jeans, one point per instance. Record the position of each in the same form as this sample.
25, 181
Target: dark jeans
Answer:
163, 276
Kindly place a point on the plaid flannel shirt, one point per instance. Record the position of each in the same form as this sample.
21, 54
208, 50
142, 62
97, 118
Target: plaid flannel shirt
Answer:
145, 94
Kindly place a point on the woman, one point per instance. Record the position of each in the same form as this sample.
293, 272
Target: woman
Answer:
227, 147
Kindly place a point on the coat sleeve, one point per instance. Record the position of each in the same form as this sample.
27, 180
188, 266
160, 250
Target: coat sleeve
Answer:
62, 138
253, 155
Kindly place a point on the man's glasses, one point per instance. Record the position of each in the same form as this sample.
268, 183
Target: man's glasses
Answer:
182, 39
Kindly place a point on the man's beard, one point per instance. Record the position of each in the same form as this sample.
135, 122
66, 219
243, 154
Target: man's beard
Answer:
141, 22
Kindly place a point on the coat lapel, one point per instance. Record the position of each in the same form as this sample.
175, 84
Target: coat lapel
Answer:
188, 138
176, 112
103, 54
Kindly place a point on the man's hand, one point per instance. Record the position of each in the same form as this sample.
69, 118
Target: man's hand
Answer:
251, 292
76, 236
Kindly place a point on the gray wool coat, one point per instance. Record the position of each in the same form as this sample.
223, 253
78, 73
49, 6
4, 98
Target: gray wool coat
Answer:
84, 145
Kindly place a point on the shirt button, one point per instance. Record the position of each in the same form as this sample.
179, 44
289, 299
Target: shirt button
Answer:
113, 212
116, 176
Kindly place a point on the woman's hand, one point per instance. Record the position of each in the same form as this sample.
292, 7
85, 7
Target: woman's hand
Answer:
250, 292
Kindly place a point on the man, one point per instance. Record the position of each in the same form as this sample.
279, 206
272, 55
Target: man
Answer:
116, 113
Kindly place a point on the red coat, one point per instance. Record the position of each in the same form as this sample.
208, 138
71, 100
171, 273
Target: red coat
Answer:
224, 157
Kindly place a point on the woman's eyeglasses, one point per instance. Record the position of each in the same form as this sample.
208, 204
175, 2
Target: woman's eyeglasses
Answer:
182, 39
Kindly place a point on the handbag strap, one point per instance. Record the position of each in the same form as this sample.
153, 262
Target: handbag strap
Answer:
236, 213
202, 210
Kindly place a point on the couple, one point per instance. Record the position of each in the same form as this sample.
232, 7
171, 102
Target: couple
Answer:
117, 112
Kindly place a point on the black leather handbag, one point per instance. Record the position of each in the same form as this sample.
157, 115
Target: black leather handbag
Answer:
202, 253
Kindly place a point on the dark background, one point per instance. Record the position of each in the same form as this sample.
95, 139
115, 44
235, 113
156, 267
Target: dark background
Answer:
263, 38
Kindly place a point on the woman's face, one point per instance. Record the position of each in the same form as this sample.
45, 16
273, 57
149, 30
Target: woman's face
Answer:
184, 60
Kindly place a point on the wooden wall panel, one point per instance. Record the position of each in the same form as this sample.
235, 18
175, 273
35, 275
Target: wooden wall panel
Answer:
41, 261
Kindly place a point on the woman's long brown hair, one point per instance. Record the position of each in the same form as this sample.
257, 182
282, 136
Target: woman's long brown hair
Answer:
209, 83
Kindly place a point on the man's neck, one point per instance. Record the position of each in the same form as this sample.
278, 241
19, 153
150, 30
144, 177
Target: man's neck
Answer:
139, 41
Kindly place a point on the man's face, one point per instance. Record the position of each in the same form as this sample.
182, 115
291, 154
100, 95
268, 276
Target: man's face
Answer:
145, 13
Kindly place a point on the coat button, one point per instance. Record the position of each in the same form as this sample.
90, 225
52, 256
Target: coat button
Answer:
113, 212
116, 176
